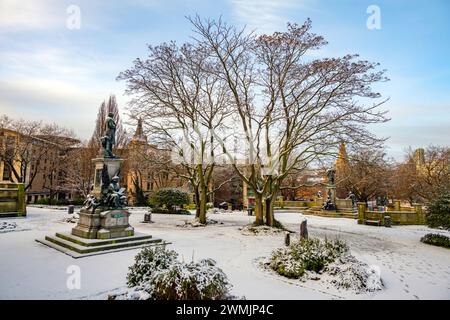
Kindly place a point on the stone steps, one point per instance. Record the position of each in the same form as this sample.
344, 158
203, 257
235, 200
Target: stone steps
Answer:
78, 247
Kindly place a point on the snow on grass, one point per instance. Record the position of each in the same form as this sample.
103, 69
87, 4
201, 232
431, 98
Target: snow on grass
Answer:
409, 269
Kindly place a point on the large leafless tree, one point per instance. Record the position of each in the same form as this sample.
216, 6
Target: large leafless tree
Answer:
181, 103
293, 109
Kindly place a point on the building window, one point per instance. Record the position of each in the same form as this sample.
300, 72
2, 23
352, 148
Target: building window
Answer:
6, 173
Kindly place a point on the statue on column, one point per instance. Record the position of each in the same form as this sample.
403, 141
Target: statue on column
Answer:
109, 138
330, 174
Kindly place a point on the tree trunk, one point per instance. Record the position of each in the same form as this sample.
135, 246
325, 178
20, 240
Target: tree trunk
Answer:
197, 203
269, 211
259, 210
202, 205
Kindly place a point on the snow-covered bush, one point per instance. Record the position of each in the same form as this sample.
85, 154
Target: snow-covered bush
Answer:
436, 240
160, 274
191, 281
438, 213
169, 199
306, 255
331, 260
349, 273
148, 262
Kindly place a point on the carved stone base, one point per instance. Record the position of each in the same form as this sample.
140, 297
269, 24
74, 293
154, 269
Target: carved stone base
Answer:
103, 225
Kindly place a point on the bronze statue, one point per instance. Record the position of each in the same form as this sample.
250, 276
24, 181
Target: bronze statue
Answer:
112, 196
330, 174
116, 195
352, 197
109, 138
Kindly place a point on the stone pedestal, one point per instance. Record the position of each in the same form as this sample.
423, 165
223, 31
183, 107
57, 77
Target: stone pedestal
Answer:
103, 225
331, 191
88, 225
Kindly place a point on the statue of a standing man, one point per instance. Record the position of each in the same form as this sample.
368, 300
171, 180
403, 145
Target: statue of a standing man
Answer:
109, 138
330, 174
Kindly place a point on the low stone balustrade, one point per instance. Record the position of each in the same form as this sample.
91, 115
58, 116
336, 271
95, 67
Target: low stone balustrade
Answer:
399, 215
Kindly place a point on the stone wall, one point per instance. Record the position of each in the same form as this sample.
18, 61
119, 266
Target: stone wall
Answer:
12, 200
343, 203
408, 216
280, 203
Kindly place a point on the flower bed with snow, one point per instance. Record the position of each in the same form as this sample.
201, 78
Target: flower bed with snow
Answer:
252, 230
10, 226
196, 223
7, 226
326, 261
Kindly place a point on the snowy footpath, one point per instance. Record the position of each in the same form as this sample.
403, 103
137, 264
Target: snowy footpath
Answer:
409, 269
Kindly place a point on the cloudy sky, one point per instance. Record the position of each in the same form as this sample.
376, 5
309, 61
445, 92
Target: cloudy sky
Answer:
54, 71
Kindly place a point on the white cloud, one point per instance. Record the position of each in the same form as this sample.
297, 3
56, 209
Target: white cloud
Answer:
266, 15
30, 15
45, 60
71, 105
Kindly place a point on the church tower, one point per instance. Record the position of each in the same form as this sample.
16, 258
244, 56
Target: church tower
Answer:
342, 170
137, 175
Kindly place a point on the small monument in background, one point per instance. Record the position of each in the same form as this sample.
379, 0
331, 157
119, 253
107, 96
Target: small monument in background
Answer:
104, 219
330, 202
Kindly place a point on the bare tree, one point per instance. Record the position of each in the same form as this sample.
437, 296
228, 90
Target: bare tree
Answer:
79, 173
181, 102
368, 174
423, 175
31, 143
148, 163
293, 110
109, 106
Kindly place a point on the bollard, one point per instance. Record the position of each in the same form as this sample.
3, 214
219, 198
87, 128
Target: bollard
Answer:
287, 239
303, 230
148, 217
70, 209
387, 221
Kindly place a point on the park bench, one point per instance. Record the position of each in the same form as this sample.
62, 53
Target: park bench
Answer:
373, 218
373, 222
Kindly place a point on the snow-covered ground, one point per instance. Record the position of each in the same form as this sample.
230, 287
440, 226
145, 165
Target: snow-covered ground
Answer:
409, 269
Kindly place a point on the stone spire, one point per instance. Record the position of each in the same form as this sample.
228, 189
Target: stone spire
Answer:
342, 171
342, 159
139, 134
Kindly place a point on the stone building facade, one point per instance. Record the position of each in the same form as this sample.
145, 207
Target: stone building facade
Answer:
38, 162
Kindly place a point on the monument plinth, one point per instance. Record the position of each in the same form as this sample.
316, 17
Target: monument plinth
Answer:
104, 215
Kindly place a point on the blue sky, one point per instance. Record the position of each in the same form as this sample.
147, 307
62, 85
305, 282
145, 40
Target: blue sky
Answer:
53, 73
